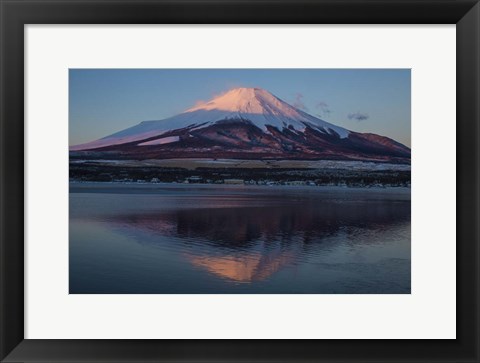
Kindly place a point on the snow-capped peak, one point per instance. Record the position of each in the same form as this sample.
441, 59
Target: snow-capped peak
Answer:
263, 108
254, 105
245, 100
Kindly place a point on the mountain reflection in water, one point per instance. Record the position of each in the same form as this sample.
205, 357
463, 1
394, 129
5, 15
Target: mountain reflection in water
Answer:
251, 243
179, 239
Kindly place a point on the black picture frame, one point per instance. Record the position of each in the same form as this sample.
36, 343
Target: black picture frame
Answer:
15, 14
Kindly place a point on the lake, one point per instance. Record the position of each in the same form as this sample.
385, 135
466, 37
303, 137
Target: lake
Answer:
235, 239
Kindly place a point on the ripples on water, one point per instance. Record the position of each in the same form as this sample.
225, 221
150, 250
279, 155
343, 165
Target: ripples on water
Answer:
229, 239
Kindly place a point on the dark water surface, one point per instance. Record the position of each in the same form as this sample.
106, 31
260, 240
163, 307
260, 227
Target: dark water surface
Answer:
172, 238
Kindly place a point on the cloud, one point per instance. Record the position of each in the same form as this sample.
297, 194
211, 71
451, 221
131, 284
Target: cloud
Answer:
298, 103
198, 103
358, 116
323, 108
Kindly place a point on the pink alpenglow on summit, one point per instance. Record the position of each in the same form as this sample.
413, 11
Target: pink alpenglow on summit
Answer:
246, 123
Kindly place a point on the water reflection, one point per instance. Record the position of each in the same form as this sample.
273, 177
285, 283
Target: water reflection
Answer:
247, 244
246, 268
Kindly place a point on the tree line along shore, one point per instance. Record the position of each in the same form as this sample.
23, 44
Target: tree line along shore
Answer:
93, 172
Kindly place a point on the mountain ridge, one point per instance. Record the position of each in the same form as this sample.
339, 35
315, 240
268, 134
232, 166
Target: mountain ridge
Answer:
247, 123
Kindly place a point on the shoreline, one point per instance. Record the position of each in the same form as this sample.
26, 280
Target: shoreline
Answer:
90, 186
220, 163
351, 174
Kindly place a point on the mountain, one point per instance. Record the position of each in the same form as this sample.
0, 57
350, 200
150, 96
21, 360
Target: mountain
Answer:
245, 123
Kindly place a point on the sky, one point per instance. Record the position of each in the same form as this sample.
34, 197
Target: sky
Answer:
104, 101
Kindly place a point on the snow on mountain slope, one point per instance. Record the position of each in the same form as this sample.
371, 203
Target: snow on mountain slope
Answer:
253, 105
262, 108
161, 141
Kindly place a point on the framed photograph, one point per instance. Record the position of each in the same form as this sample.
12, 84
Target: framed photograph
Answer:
243, 193
239, 181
